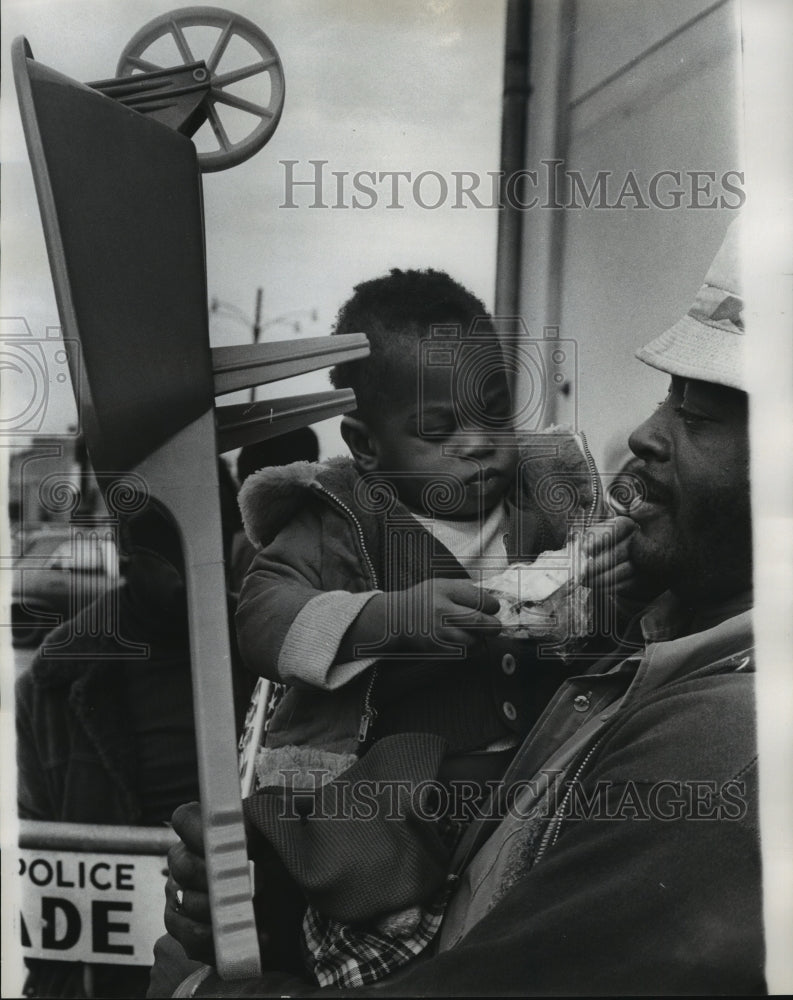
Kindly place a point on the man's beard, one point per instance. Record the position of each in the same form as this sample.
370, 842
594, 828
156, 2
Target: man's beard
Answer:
707, 554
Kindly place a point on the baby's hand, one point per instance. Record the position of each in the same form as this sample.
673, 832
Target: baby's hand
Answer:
420, 620
605, 548
438, 612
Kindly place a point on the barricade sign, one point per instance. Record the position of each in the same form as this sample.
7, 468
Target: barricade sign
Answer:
91, 907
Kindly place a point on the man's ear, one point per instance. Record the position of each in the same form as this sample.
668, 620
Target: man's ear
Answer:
362, 445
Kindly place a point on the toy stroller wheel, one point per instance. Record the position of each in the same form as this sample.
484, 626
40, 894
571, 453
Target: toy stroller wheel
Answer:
239, 51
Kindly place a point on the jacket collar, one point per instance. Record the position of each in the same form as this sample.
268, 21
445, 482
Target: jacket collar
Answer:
674, 651
269, 498
668, 618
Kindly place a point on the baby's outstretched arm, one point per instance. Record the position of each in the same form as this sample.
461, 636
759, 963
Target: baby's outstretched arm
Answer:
292, 612
422, 619
296, 625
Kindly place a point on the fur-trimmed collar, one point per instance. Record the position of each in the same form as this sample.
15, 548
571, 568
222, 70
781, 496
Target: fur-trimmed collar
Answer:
269, 498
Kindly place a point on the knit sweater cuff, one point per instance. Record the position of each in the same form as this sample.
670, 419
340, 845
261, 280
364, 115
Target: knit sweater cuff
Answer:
312, 642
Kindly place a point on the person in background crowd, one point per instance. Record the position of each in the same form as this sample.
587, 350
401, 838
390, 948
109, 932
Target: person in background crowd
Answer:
104, 715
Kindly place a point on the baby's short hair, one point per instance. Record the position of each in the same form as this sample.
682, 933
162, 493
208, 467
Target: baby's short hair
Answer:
396, 312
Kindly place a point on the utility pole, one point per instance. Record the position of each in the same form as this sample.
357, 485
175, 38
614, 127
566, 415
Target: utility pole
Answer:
257, 329
257, 316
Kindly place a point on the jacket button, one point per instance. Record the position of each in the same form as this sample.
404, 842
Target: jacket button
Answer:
508, 664
509, 711
581, 702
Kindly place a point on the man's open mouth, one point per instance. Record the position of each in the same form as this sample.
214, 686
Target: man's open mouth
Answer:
649, 493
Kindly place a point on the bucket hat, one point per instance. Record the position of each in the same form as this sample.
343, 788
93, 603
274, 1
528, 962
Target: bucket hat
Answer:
708, 343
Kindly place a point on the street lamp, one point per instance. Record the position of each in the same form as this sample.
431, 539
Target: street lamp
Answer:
288, 318
217, 305
255, 325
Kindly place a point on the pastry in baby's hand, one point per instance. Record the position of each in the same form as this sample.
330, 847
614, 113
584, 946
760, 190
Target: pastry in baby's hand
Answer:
543, 599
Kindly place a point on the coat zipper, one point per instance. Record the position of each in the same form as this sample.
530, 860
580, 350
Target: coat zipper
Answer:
358, 528
369, 711
554, 827
594, 479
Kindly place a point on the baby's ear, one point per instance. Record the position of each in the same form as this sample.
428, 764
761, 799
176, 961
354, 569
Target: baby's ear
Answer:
360, 441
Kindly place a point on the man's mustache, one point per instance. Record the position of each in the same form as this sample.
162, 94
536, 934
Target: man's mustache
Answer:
648, 487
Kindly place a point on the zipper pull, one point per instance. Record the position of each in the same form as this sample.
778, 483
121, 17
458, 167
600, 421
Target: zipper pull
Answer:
368, 717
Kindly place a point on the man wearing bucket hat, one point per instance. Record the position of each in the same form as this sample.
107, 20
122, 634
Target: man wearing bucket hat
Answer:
620, 853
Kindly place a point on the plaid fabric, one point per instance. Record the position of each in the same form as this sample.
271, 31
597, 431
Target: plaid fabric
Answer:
342, 955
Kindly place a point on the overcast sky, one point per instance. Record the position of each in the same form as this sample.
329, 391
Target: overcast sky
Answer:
405, 85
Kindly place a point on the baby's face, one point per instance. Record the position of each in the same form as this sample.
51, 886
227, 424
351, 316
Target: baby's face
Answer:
450, 451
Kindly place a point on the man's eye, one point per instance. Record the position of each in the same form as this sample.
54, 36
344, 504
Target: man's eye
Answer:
665, 400
690, 418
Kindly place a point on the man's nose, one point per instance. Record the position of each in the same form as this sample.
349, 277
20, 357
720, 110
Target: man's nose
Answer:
650, 440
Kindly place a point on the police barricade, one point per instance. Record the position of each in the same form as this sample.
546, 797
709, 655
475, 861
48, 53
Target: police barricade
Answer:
91, 893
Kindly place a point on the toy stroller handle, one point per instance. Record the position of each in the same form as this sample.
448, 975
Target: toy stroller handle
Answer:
121, 206
130, 287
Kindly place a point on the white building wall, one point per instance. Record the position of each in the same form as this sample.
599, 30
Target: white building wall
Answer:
630, 88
